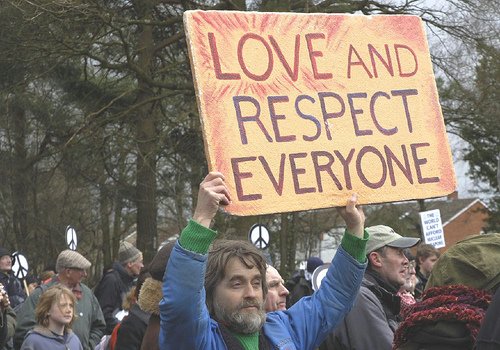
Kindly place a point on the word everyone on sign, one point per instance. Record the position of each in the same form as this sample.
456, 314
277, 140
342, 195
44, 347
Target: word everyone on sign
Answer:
301, 110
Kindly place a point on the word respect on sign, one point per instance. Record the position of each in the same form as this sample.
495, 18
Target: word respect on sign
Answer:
300, 111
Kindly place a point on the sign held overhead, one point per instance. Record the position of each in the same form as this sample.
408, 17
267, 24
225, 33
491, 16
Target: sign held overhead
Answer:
301, 110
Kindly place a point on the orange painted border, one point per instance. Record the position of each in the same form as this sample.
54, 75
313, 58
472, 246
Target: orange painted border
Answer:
301, 110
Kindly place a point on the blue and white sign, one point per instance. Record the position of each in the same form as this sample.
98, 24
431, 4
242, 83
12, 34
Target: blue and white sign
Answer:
432, 228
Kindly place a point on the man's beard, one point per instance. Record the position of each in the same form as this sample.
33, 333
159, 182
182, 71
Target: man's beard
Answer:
239, 321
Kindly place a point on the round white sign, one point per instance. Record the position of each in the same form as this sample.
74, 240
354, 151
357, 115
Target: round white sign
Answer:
19, 265
259, 236
318, 274
71, 238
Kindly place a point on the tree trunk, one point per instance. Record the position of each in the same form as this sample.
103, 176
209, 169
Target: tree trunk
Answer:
287, 244
146, 137
20, 173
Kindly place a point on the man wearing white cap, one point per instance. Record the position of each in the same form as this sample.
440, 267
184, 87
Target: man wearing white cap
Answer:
116, 283
89, 325
376, 310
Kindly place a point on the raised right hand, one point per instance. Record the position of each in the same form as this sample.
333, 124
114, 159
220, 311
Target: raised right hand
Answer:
353, 216
213, 193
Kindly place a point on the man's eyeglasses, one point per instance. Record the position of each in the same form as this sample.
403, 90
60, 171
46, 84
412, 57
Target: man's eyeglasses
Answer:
411, 265
76, 269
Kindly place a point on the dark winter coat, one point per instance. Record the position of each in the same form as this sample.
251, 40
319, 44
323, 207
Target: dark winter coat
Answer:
13, 287
420, 286
489, 334
132, 329
110, 293
7, 325
373, 319
298, 287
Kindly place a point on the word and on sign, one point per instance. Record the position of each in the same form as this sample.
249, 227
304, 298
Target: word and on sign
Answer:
299, 111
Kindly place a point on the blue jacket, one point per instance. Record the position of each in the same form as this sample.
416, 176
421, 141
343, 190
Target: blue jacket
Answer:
186, 323
41, 338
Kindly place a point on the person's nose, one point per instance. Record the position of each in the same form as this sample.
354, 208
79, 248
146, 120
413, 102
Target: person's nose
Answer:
406, 262
283, 290
250, 291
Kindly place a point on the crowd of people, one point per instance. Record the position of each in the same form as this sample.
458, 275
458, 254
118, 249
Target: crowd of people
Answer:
381, 291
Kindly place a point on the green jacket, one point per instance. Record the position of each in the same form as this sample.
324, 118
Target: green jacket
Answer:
89, 324
7, 325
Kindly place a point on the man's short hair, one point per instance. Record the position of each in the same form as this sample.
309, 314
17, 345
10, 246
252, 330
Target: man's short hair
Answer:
224, 250
425, 251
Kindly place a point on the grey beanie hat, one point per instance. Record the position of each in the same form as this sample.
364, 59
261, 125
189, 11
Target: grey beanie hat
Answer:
128, 253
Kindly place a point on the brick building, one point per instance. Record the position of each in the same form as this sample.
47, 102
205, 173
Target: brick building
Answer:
461, 217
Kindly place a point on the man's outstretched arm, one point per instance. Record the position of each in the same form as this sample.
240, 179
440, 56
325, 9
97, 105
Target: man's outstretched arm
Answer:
311, 319
185, 321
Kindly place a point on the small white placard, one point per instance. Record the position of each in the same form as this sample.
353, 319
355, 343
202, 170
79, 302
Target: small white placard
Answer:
432, 228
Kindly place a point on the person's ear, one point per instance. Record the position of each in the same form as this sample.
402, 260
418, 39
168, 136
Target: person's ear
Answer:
375, 259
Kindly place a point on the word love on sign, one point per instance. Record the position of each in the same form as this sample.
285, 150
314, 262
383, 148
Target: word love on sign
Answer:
299, 111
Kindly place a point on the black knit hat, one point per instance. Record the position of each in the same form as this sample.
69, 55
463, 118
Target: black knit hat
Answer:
159, 263
4, 252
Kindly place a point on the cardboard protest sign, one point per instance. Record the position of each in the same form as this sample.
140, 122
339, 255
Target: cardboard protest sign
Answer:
299, 111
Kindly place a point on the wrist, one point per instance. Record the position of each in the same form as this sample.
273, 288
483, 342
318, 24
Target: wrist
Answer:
202, 220
356, 230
